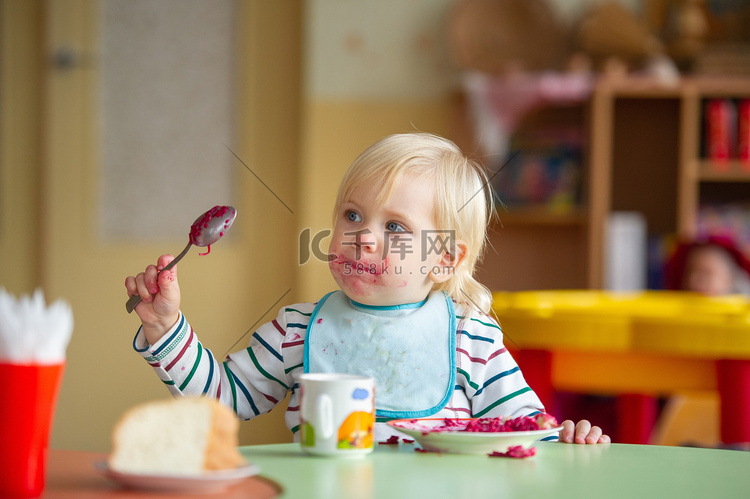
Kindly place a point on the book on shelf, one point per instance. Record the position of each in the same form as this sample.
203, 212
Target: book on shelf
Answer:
544, 172
726, 133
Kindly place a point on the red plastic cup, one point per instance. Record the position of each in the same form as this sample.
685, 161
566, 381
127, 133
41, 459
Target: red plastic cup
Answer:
27, 406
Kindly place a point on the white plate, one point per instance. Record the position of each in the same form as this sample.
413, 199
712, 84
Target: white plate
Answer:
210, 481
466, 442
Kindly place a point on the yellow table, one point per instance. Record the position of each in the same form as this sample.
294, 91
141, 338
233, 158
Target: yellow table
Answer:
637, 345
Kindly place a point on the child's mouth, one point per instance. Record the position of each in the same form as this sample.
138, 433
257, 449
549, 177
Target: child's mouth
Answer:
359, 267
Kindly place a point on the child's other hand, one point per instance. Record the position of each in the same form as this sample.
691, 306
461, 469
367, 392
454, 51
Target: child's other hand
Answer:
582, 433
159, 307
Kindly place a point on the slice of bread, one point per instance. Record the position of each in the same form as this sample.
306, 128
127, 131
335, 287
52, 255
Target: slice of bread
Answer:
185, 436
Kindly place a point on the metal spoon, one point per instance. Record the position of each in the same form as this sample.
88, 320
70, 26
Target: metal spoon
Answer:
205, 231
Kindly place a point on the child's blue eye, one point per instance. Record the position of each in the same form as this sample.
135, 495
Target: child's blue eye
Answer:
394, 227
353, 216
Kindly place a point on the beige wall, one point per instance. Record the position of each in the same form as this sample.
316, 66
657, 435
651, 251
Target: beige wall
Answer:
20, 144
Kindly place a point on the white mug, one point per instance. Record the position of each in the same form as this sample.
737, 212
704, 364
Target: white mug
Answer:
337, 414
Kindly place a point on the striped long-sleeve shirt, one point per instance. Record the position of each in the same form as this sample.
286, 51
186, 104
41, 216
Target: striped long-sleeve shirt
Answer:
253, 380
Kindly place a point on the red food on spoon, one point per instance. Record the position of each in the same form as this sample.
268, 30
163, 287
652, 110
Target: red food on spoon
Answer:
206, 230
209, 227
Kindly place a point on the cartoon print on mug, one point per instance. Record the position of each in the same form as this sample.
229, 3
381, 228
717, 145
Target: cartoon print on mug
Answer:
357, 430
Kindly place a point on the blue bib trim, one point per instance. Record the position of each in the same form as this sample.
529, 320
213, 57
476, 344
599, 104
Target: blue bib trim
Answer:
405, 306
409, 349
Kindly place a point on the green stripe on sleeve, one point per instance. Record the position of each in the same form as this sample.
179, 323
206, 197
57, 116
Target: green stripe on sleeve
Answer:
290, 369
488, 324
468, 378
501, 400
195, 367
263, 371
230, 376
298, 311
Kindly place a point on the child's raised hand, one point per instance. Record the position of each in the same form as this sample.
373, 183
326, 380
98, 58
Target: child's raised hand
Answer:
159, 307
582, 433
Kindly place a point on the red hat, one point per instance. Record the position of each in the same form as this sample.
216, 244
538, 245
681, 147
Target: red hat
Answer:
675, 267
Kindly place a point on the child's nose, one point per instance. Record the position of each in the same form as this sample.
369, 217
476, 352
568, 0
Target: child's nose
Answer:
368, 241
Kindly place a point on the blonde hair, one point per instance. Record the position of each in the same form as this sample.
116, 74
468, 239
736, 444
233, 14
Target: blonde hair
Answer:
463, 199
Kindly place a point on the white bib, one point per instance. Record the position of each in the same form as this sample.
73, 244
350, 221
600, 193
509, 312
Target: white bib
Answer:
409, 349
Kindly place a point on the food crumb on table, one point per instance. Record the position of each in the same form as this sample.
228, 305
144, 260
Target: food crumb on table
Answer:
515, 451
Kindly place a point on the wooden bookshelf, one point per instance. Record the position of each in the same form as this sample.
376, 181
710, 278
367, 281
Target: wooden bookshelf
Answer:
514, 216
723, 171
644, 154
647, 143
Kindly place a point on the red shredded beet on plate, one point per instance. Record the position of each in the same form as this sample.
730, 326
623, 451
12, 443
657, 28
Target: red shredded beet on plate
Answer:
521, 423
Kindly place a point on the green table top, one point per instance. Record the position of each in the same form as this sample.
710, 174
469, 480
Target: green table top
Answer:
557, 470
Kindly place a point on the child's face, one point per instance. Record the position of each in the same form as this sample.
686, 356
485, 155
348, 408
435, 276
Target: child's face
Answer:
708, 271
387, 255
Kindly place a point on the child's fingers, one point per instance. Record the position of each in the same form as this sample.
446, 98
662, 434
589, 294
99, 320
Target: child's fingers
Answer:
582, 433
131, 286
150, 279
583, 428
164, 260
593, 435
146, 285
167, 278
153, 279
566, 434
585, 433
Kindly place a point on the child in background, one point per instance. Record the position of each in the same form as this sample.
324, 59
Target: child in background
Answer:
713, 266
410, 224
